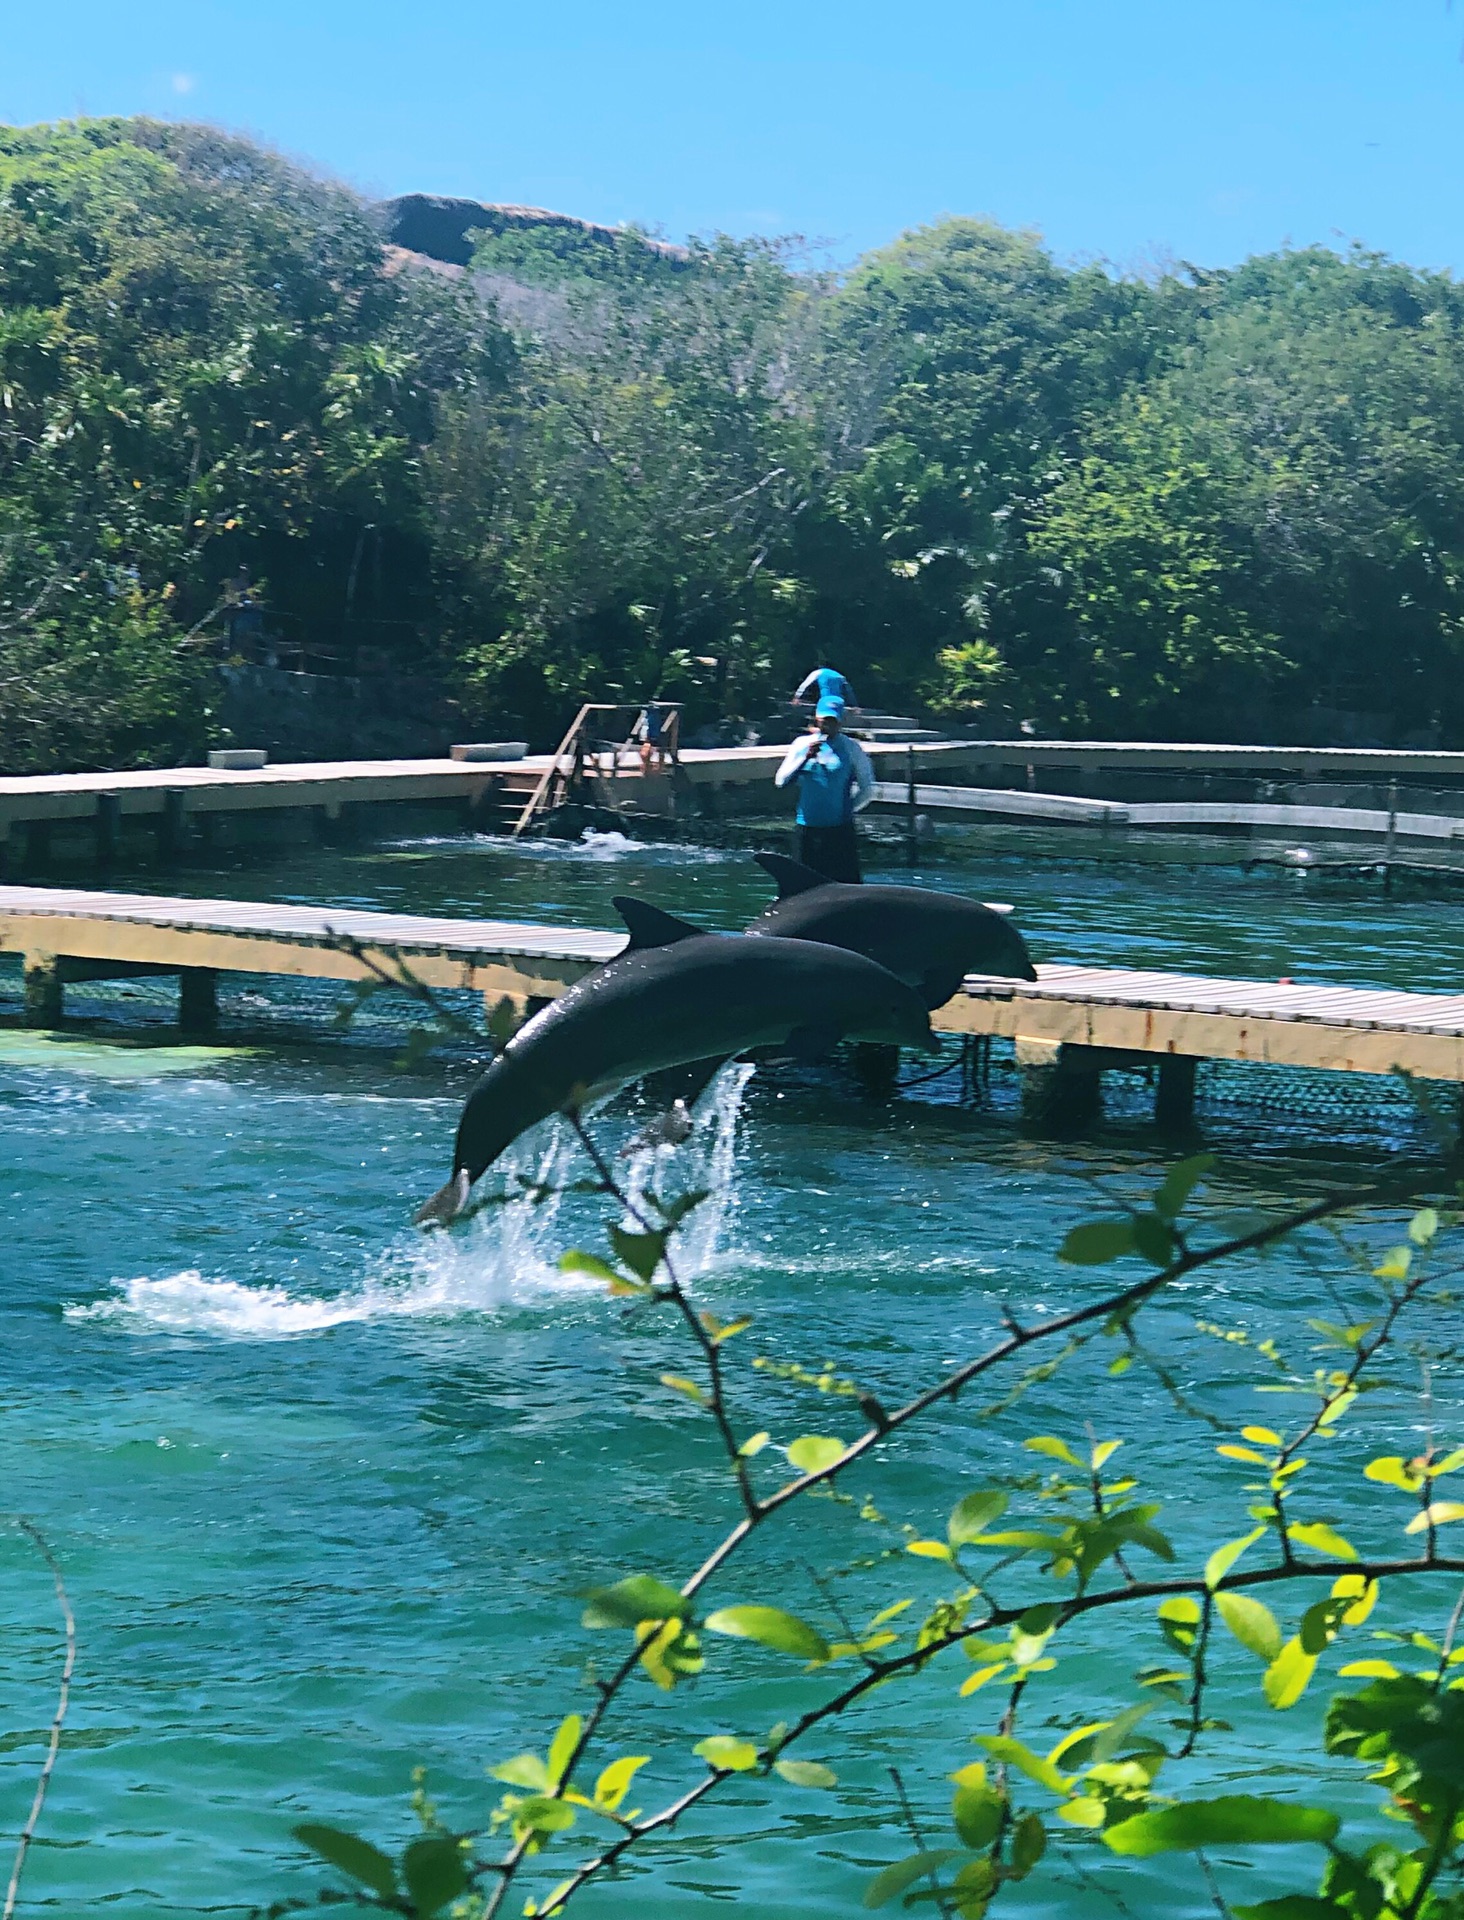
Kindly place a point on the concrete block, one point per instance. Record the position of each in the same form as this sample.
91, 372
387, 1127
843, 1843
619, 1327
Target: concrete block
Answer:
490, 750
238, 759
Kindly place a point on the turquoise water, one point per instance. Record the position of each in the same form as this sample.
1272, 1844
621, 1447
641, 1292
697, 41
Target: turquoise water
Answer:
325, 1491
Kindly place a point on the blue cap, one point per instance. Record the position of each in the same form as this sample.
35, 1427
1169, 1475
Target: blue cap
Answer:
830, 704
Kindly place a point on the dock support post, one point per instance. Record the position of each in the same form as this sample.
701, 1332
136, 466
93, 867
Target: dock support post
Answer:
44, 997
108, 825
876, 1068
37, 845
1061, 1085
1174, 1103
171, 826
198, 999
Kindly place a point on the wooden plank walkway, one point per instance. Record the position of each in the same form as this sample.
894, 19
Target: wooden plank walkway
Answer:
1199, 815
333, 784
69, 934
1339, 1029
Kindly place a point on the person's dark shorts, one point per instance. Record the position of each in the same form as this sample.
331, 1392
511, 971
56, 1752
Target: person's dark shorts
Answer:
831, 851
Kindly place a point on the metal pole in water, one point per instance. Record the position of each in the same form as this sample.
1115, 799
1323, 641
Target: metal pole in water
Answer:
1392, 839
911, 843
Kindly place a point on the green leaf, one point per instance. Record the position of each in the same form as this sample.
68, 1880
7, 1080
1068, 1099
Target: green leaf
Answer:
1321, 1538
614, 1781
435, 1873
1392, 1470
1320, 1625
353, 1855
977, 1813
673, 1212
1289, 1675
973, 1514
628, 1602
576, 1262
1437, 1515
1096, 1243
1179, 1183
725, 1754
1423, 1226
1014, 1753
814, 1452
929, 1549
641, 1252
1295, 1906
1224, 1558
1253, 1625
904, 1873
543, 1814
1029, 1843
562, 1746
1238, 1820
806, 1773
527, 1770
678, 1383
1153, 1240
771, 1627
754, 1444
1396, 1265
1055, 1449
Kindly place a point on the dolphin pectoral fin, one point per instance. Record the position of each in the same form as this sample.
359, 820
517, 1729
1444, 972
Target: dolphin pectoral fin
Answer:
446, 1204
939, 984
812, 1043
686, 1083
650, 926
790, 876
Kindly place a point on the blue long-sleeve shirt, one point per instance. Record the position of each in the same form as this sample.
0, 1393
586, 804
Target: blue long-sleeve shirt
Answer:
830, 684
834, 779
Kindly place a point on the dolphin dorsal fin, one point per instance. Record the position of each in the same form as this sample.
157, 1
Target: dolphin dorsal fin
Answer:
789, 875
650, 926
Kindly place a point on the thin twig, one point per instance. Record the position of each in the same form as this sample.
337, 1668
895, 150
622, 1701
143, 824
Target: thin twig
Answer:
28, 1831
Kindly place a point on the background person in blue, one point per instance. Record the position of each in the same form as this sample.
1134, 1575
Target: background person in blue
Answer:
826, 683
835, 780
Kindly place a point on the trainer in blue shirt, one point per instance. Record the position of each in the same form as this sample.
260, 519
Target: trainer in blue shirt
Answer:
826, 683
835, 780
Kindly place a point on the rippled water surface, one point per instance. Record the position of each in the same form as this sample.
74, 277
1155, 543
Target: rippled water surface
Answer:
325, 1491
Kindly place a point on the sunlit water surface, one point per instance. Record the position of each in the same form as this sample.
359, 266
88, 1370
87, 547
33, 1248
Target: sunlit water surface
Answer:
325, 1491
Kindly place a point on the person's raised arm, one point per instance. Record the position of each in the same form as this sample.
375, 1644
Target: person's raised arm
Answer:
794, 758
808, 680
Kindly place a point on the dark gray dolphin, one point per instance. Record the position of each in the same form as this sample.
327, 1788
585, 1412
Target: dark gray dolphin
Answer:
929, 940
675, 995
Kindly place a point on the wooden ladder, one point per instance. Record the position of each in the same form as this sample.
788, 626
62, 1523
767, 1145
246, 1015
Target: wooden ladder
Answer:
556, 778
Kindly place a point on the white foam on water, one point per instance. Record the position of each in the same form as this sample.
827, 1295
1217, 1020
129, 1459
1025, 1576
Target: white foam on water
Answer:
505, 1258
594, 845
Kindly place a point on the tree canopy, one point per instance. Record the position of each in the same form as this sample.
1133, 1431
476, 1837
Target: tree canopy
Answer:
993, 486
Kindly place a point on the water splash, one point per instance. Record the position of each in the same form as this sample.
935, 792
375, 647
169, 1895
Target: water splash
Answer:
504, 1259
593, 845
707, 1160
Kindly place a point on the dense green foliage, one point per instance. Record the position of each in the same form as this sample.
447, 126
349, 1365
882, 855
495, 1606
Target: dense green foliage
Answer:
987, 484
1023, 1564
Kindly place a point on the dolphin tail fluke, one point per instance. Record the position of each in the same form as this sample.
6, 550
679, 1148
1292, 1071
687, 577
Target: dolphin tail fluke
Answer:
446, 1204
790, 876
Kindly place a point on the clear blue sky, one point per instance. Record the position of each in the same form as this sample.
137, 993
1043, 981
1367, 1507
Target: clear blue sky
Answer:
1125, 128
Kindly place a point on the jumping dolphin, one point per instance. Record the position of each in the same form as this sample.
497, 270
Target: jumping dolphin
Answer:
929, 940
675, 995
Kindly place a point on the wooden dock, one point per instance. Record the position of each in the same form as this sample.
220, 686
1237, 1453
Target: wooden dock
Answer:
1069, 1025
1196, 816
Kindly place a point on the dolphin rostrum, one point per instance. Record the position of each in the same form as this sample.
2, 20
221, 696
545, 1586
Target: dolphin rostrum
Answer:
675, 995
929, 940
